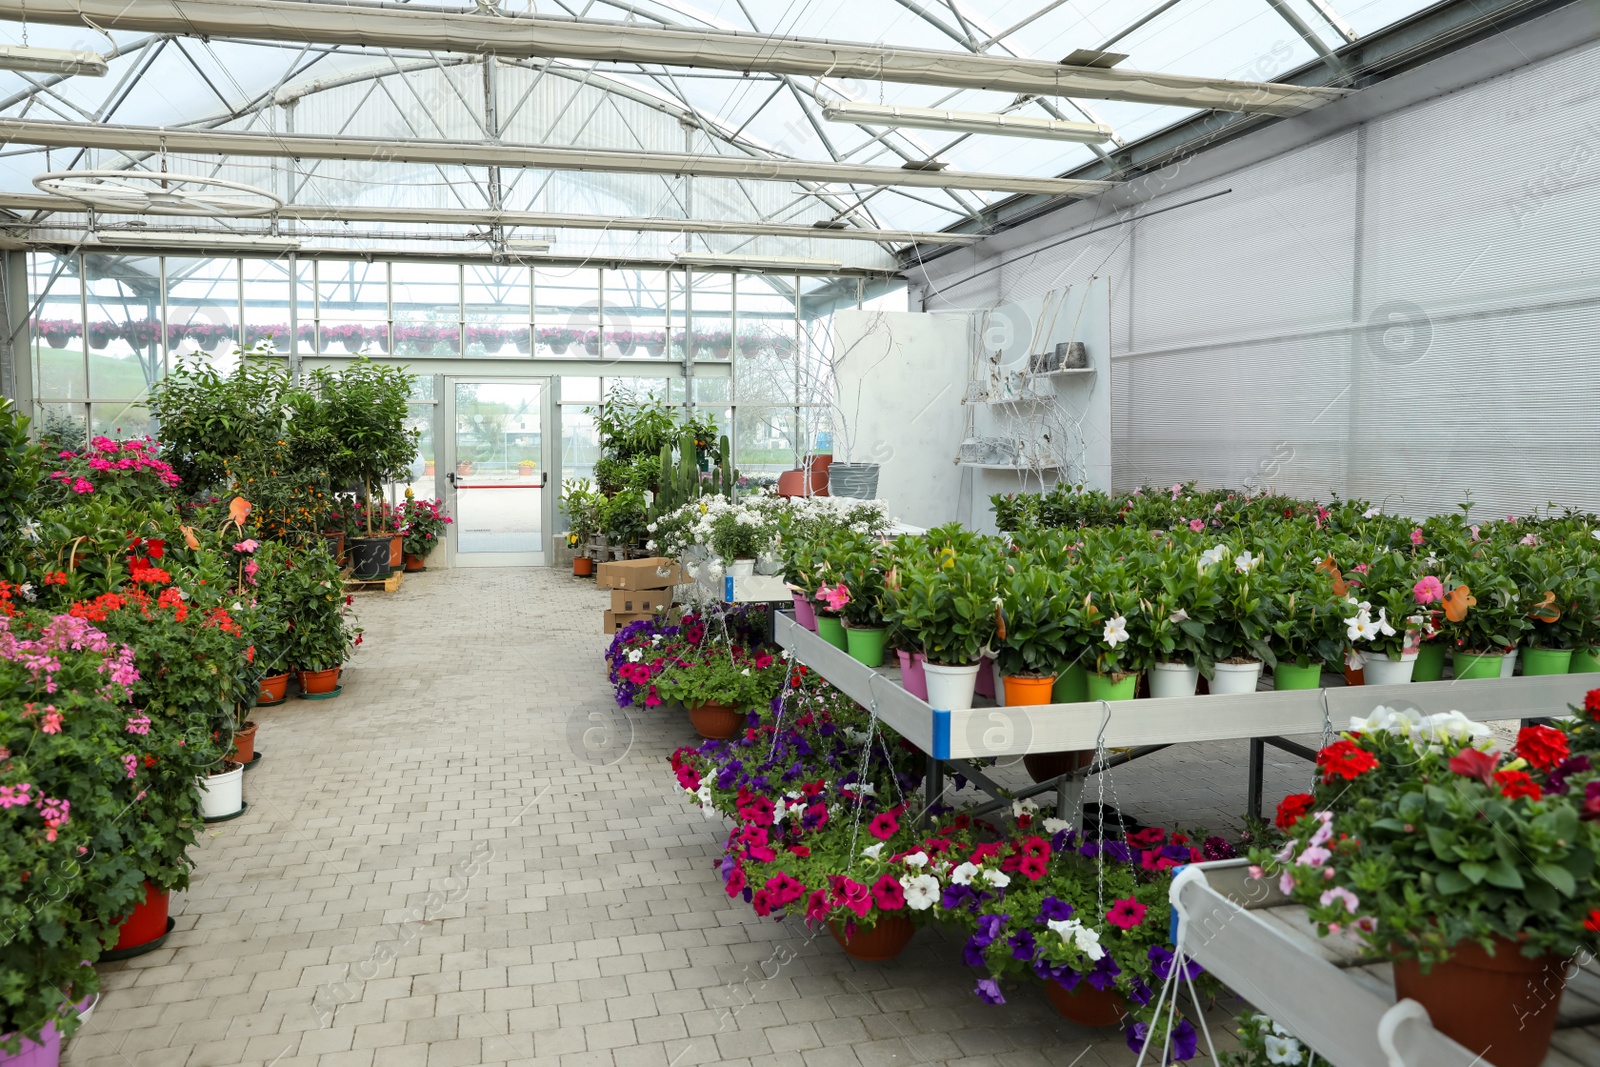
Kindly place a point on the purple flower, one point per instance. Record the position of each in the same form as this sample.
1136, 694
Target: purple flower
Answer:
954, 896
1218, 848
1051, 908
1184, 1040
1104, 975
1163, 959
990, 926
989, 990
1119, 851
972, 951
725, 868
1023, 946
1557, 782
1139, 993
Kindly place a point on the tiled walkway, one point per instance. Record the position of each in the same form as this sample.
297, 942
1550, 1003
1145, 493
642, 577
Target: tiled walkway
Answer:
454, 863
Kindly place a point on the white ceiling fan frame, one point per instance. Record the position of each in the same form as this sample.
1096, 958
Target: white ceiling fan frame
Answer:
160, 193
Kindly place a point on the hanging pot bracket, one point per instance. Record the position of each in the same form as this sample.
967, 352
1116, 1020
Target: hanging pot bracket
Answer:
159, 193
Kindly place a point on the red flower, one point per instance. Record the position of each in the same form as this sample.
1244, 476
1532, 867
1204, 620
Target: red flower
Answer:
1345, 759
883, 826
1034, 846
1149, 837
887, 894
1475, 764
1591, 703
1516, 784
1293, 808
736, 881
1592, 923
1127, 913
1542, 746
1034, 867
802, 851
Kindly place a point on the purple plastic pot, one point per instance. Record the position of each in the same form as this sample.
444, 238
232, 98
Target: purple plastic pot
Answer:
985, 686
44, 1053
911, 676
804, 613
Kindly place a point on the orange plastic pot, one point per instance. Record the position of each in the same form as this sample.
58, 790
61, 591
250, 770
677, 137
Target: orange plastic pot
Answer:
886, 940
244, 744
716, 722
396, 551
1086, 1005
319, 681
1021, 689
274, 687
582, 566
147, 921
414, 563
1502, 1007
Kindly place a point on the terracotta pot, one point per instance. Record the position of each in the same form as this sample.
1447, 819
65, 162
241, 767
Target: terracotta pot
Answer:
397, 553
884, 941
1021, 690
716, 721
428, 466
414, 563
463, 469
319, 681
1048, 766
244, 744
582, 566
274, 687
146, 922
1086, 1005
1502, 1006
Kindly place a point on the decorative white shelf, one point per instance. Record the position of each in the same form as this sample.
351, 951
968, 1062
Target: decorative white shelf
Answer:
1018, 401
1011, 466
1065, 372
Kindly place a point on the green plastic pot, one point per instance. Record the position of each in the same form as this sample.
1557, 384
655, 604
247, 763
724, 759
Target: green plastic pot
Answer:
831, 629
1103, 688
1072, 685
1585, 661
1430, 663
1289, 676
1546, 661
1478, 665
865, 646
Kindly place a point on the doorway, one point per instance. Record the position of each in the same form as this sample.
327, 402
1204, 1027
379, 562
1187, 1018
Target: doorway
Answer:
496, 459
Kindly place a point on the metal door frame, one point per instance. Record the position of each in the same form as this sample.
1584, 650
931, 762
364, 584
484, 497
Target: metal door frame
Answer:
445, 448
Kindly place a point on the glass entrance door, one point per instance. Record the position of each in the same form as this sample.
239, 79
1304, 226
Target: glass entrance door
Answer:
497, 471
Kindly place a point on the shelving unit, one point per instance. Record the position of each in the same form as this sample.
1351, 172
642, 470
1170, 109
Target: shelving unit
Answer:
1032, 467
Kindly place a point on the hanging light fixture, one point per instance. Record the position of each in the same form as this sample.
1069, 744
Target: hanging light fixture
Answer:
51, 60
735, 261
929, 118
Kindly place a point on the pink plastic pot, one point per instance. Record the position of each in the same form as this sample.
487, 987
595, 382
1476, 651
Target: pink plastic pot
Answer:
804, 613
911, 676
44, 1053
985, 686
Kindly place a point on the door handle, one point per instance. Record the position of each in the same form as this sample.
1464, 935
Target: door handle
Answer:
452, 476
544, 479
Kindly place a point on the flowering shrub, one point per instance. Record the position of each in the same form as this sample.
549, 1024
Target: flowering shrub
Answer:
1420, 835
124, 469
422, 522
1265, 1043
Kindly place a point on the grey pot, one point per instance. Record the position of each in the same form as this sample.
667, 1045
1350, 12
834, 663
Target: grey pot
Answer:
858, 480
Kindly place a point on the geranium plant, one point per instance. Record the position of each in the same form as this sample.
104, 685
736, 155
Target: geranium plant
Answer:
422, 523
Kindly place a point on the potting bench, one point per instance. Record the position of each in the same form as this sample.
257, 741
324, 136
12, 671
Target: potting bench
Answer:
952, 739
1262, 946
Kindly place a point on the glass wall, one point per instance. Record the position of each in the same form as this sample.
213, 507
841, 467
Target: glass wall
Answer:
106, 327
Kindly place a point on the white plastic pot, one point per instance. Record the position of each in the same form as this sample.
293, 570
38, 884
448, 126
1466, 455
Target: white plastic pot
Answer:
1379, 669
222, 794
1508, 666
741, 568
1174, 679
1236, 677
951, 688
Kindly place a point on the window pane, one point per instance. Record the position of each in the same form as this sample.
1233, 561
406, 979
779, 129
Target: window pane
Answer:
63, 426
764, 361
59, 369
711, 315
712, 390
352, 307
580, 443
266, 303
125, 335
420, 477
567, 311
764, 440
636, 313
576, 390
497, 310
202, 310
120, 421
636, 389
678, 298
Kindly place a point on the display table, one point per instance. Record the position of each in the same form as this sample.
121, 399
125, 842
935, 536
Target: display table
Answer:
1148, 725
1261, 945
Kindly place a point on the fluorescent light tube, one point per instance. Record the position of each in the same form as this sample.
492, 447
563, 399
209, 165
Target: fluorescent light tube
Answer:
928, 118
773, 263
192, 240
51, 60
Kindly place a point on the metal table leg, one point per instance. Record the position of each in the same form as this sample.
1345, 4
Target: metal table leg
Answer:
933, 786
1258, 759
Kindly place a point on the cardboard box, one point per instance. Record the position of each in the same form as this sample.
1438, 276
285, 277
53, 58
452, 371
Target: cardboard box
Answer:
640, 602
614, 621
638, 574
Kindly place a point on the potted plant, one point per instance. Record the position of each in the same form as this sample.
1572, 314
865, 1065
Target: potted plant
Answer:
655, 343
1240, 628
1483, 615
1473, 869
1032, 632
857, 563
1560, 592
422, 524
320, 636
1386, 617
1308, 628
738, 535
1114, 618
582, 507
1184, 601
944, 604
720, 684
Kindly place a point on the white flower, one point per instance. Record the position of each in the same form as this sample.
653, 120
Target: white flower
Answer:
1075, 933
1282, 1050
30, 530
998, 879
964, 874
1246, 563
872, 851
635, 655
1387, 720
917, 859
1383, 623
1213, 555
1372, 513
1116, 631
1027, 804
745, 672
28, 594
922, 891
1178, 616
1055, 826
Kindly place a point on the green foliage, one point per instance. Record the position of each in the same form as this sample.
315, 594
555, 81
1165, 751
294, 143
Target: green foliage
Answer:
623, 517
721, 674
19, 481
943, 602
211, 421
630, 426
1034, 642
354, 419
582, 505
320, 635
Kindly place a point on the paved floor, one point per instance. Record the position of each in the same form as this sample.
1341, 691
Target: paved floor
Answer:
466, 859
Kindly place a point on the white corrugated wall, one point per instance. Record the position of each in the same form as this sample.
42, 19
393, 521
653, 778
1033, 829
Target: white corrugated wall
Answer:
1408, 312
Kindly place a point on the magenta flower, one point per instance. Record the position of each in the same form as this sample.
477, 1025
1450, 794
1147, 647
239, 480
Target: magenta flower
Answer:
139, 724
817, 905
1126, 913
834, 597
131, 762
1428, 590
853, 895
887, 894
883, 826
1416, 537
83, 485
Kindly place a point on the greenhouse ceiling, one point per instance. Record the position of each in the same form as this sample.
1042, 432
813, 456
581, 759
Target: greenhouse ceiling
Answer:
619, 131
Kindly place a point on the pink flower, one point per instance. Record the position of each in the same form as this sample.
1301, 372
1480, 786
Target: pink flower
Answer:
817, 905
1177, 490
98, 464
83, 485
139, 725
1428, 590
1416, 537
1474, 530
52, 721
132, 763
1530, 539
887, 894
1256, 873
835, 597
15, 796
1126, 913
249, 545
1197, 525
883, 826
853, 895
1340, 893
